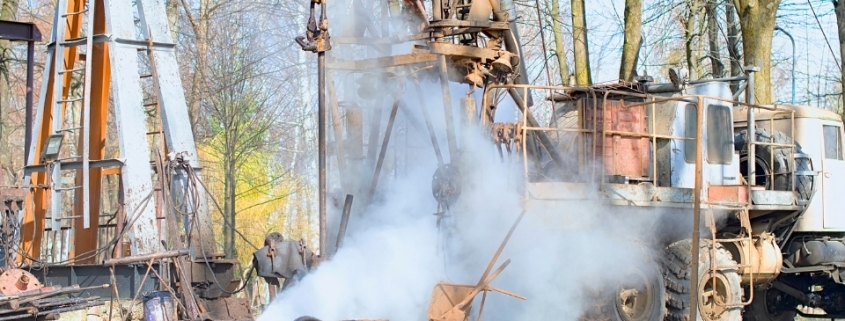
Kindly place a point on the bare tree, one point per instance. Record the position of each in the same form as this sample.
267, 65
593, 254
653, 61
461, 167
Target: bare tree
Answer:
560, 51
757, 19
733, 42
199, 24
690, 35
580, 44
239, 110
717, 68
632, 39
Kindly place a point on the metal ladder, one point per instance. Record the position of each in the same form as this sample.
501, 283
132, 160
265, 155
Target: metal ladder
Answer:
154, 105
65, 102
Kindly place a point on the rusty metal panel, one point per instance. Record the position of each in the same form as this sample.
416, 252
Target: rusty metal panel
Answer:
729, 194
621, 154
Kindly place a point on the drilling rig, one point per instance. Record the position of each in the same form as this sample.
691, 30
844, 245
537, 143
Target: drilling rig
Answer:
759, 181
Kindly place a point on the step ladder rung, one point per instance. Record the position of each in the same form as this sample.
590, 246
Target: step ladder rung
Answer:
97, 38
70, 188
146, 76
73, 42
153, 133
71, 70
69, 129
150, 104
65, 15
69, 100
50, 218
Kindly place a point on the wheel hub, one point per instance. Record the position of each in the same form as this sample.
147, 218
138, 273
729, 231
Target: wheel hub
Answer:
714, 297
632, 299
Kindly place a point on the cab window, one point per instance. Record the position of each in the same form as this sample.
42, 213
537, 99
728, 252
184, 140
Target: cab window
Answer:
719, 135
690, 126
832, 142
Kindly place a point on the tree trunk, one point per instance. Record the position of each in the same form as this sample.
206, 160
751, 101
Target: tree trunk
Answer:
579, 39
229, 184
200, 25
633, 39
716, 66
733, 43
560, 52
689, 37
757, 20
839, 9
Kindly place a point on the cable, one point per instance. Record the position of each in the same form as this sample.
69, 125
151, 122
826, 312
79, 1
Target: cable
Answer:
191, 189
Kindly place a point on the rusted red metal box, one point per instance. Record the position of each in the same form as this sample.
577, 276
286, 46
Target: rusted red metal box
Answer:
625, 149
727, 194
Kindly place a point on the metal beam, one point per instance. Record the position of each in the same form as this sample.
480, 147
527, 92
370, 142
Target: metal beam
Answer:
85, 239
452, 23
176, 123
103, 163
383, 62
132, 132
19, 31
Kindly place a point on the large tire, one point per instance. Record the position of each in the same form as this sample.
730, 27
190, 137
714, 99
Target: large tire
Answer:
777, 161
770, 305
638, 297
676, 277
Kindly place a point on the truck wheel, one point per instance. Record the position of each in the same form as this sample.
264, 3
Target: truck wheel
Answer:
639, 296
719, 292
770, 305
776, 160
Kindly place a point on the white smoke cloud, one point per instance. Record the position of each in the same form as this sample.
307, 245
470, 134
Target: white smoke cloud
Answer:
394, 254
